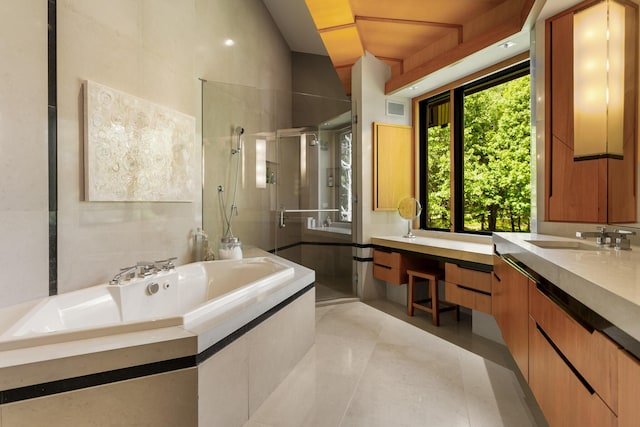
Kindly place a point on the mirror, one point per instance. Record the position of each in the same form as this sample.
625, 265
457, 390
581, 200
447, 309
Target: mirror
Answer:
409, 209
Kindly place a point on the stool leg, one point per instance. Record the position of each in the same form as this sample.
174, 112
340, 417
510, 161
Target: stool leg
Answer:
435, 307
410, 296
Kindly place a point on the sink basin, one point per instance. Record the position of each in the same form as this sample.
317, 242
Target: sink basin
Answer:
563, 244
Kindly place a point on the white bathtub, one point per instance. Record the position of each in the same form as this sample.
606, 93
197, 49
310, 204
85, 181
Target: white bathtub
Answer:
187, 296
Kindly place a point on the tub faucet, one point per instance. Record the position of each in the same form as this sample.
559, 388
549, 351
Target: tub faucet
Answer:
165, 264
126, 273
146, 268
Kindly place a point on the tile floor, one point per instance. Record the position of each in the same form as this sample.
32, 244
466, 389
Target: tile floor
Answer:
369, 368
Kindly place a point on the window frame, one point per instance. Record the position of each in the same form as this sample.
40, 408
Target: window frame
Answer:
456, 93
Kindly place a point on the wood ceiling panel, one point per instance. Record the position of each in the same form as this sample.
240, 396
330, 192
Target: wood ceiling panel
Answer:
330, 13
446, 11
344, 45
415, 37
396, 40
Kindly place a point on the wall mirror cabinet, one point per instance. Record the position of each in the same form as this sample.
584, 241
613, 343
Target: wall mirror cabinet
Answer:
592, 113
393, 165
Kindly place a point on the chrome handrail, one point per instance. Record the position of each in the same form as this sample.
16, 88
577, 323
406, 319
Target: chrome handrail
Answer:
283, 211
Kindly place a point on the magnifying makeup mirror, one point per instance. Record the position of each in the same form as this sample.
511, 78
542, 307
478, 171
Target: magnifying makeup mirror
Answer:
409, 209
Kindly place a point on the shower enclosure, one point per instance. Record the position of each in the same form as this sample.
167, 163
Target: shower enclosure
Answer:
294, 183
314, 200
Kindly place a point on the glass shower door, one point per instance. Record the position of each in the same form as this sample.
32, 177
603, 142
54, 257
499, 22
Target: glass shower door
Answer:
314, 200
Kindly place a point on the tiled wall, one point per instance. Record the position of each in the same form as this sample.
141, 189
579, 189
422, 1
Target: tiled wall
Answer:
153, 49
24, 234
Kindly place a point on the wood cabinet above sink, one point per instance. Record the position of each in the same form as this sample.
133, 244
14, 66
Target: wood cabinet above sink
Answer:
596, 190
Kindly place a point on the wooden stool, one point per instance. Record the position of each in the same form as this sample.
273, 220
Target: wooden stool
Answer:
434, 302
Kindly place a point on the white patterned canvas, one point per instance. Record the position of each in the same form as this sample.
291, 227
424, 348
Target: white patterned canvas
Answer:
135, 150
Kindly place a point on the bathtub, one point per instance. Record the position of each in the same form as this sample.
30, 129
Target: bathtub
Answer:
221, 335
185, 296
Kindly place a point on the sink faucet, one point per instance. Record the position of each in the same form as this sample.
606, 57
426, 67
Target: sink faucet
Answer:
616, 238
622, 243
602, 236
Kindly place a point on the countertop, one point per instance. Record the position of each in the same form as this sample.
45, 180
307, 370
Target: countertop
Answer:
603, 279
464, 247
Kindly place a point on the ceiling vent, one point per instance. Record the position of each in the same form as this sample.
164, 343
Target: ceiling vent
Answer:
395, 109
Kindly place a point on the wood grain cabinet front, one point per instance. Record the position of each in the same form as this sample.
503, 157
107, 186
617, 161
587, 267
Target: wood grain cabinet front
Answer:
510, 305
467, 287
573, 369
628, 390
564, 397
393, 165
392, 266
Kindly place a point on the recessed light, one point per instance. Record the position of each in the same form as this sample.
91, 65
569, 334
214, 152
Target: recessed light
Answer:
414, 87
229, 42
507, 45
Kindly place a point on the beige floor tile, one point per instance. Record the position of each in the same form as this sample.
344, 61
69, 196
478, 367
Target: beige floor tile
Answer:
368, 368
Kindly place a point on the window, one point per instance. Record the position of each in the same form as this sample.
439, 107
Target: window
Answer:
345, 196
489, 157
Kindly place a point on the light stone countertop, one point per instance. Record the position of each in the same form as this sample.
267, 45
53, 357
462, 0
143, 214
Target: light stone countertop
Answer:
603, 279
464, 247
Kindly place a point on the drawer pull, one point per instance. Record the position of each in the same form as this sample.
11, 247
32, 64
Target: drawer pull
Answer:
474, 290
565, 360
497, 277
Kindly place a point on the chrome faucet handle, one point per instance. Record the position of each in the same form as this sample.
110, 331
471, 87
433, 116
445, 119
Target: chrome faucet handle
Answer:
166, 264
126, 273
603, 237
145, 268
622, 243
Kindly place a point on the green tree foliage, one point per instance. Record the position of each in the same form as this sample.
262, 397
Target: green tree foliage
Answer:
497, 181
497, 172
438, 178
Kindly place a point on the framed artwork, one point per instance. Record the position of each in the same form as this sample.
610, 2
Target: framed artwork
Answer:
135, 150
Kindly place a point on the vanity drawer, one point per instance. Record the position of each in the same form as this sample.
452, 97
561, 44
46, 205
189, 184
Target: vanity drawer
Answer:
472, 279
561, 394
390, 267
590, 352
468, 288
466, 297
387, 259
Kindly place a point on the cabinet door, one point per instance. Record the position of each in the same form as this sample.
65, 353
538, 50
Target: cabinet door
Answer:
563, 397
598, 190
629, 390
589, 351
511, 310
393, 165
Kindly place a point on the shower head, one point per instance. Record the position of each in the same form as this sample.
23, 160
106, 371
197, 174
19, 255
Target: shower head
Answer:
314, 140
239, 132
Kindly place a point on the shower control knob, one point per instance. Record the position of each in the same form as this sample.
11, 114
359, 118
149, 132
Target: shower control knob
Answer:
152, 288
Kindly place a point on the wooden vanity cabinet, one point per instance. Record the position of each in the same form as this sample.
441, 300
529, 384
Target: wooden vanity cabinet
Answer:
467, 287
573, 371
392, 266
628, 390
562, 396
510, 305
393, 165
598, 190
